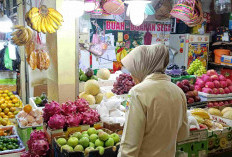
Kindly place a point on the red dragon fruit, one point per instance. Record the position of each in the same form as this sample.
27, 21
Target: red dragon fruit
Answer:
82, 105
40, 147
37, 135
68, 108
73, 120
90, 117
50, 109
57, 121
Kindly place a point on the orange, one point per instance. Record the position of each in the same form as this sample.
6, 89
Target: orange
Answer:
2, 114
6, 91
9, 113
15, 100
12, 97
11, 116
17, 105
1, 91
9, 105
6, 110
3, 106
5, 116
7, 98
12, 109
27, 108
2, 101
10, 93
4, 95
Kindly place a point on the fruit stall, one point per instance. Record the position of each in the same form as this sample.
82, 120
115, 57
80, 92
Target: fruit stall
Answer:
65, 92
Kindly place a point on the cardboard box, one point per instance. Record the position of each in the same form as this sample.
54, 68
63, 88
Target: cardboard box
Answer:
226, 60
39, 89
219, 140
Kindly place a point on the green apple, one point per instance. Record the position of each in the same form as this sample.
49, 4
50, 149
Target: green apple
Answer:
99, 143
91, 144
78, 148
115, 137
93, 138
103, 136
101, 150
61, 141
72, 141
92, 131
109, 142
77, 135
67, 147
85, 135
84, 141
99, 130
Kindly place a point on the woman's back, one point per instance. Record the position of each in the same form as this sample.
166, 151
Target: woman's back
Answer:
163, 107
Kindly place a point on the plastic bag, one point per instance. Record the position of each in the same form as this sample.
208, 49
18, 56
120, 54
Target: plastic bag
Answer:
7, 60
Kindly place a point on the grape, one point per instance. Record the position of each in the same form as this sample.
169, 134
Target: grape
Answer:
123, 84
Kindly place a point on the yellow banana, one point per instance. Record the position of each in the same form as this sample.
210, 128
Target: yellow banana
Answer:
51, 28
48, 26
24, 36
33, 12
15, 33
52, 23
55, 14
54, 19
35, 22
18, 27
43, 29
38, 29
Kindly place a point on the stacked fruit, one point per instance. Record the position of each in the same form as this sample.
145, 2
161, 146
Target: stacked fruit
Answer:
225, 113
40, 101
88, 141
21, 36
69, 114
7, 143
123, 84
213, 83
191, 94
92, 92
8, 105
87, 75
30, 117
44, 19
196, 68
218, 103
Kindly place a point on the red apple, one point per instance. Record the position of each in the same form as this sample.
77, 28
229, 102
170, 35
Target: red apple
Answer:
227, 90
197, 99
185, 82
179, 84
190, 100
185, 89
221, 103
191, 87
226, 102
215, 104
195, 93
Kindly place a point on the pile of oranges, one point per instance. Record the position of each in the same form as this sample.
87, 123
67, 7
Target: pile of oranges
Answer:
9, 104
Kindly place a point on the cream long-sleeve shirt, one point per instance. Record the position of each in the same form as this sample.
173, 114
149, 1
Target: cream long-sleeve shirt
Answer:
156, 120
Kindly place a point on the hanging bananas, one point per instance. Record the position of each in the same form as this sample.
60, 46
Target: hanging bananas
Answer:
43, 19
21, 36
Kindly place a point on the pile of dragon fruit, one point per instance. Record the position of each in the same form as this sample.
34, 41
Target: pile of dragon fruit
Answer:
213, 83
37, 145
69, 114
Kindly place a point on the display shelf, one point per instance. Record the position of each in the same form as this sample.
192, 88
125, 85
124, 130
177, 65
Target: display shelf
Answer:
219, 43
216, 65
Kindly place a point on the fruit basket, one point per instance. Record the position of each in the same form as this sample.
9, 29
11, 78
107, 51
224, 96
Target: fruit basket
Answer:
18, 145
78, 151
33, 104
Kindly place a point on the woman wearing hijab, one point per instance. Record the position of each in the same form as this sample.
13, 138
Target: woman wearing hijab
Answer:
157, 112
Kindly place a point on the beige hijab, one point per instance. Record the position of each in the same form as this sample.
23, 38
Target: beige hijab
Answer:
145, 60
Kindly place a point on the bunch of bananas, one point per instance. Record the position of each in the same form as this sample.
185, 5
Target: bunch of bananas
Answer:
22, 35
43, 19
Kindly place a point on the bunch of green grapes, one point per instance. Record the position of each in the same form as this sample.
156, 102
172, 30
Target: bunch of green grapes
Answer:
200, 71
194, 66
